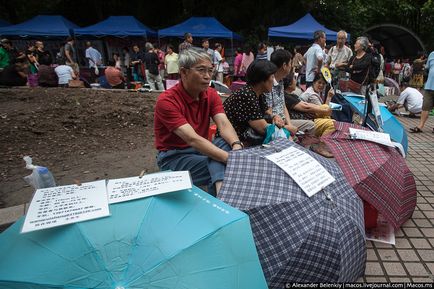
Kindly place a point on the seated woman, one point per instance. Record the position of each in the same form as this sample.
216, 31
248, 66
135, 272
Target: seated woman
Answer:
64, 74
245, 108
15, 74
314, 93
300, 109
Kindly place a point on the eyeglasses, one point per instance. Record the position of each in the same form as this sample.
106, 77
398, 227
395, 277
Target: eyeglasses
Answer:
203, 70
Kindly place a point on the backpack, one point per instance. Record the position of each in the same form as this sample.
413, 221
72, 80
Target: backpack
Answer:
375, 65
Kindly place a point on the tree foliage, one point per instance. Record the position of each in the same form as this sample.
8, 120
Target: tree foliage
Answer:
249, 18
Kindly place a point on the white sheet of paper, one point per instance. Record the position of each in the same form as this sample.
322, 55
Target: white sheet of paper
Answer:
383, 233
376, 108
377, 137
57, 206
307, 172
121, 190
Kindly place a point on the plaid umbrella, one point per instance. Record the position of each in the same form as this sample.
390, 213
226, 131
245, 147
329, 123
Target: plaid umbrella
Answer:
377, 173
299, 239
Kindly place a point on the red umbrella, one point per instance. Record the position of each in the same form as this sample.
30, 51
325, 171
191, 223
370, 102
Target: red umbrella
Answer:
377, 173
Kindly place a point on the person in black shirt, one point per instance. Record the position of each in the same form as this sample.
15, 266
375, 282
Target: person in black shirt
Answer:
151, 63
137, 59
43, 56
359, 64
246, 107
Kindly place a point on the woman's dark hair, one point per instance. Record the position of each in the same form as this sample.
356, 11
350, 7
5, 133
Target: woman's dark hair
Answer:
239, 50
287, 81
319, 76
259, 71
262, 45
170, 46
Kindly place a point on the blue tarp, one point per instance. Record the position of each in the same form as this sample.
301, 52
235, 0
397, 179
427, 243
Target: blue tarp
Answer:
199, 27
41, 25
4, 23
120, 26
302, 29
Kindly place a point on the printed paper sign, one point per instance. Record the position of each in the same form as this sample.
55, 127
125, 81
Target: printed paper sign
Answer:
121, 190
383, 233
377, 137
307, 172
57, 206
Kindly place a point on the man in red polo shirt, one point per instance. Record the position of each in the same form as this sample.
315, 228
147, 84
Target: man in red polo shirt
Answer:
181, 122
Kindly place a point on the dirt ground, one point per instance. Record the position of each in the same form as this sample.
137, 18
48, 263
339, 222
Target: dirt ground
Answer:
81, 134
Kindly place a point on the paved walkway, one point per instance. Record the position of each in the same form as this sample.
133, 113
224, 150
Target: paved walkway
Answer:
412, 259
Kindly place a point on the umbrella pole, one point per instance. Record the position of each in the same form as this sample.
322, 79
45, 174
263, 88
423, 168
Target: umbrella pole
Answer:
368, 107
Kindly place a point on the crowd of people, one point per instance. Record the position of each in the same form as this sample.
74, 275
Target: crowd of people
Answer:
271, 97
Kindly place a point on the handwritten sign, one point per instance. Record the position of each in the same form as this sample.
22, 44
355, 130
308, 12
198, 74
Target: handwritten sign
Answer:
121, 190
307, 172
57, 206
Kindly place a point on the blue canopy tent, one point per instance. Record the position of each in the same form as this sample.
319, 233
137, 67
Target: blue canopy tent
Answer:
199, 27
4, 23
119, 26
41, 25
302, 29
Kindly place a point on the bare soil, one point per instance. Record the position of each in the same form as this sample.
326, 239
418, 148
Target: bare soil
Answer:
79, 134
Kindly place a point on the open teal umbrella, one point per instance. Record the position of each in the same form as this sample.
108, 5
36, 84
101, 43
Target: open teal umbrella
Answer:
185, 239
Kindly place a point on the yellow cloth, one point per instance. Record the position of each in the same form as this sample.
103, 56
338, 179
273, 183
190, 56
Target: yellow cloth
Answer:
323, 124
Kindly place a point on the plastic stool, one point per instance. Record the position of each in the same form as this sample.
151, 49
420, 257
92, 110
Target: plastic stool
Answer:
212, 131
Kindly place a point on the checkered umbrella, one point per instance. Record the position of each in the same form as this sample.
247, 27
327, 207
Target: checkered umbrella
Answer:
299, 239
377, 173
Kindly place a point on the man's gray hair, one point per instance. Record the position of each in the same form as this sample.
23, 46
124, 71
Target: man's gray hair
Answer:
148, 46
344, 33
318, 34
364, 42
191, 56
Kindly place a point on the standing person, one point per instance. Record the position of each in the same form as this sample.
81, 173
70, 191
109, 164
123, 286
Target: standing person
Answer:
171, 62
339, 55
137, 60
418, 68
397, 66
205, 46
248, 58
218, 63
276, 98
237, 63
117, 60
94, 59
43, 56
161, 55
262, 51
359, 64
181, 123
315, 56
151, 63
428, 95
5, 57
126, 63
298, 60
188, 42
71, 54
114, 76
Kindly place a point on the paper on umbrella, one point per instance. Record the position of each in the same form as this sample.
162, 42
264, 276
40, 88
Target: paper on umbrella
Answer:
57, 206
121, 190
307, 172
377, 137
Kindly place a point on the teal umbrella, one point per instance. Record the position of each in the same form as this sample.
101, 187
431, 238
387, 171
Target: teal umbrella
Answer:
185, 239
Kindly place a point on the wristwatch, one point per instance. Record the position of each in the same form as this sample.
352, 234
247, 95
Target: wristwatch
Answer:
238, 143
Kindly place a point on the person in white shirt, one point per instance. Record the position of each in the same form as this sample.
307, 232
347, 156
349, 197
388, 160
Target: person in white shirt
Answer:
339, 55
218, 62
315, 56
410, 98
64, 73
